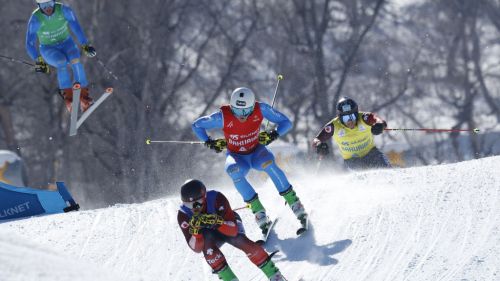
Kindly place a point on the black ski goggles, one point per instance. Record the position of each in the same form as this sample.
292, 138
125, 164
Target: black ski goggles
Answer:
196, 204
349, 117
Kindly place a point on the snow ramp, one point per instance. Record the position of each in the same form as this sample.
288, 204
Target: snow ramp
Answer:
428, 223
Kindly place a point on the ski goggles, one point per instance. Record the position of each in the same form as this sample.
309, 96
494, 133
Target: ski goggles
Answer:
196, 204
242, 112
348, 117
47, 5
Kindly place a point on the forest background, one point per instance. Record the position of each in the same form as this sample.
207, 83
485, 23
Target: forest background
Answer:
417, 64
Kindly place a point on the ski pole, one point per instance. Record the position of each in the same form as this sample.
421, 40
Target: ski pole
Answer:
475, 130
149, 141
16, 60
241, 208
107, 69
280, 77
318, 165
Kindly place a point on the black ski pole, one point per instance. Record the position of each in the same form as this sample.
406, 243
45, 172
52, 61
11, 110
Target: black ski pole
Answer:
107, 69
16, 60
318, 164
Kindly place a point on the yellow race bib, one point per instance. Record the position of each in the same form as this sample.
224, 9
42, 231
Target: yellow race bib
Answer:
353, 143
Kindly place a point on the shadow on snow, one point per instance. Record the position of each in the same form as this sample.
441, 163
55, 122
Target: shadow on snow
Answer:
305, 248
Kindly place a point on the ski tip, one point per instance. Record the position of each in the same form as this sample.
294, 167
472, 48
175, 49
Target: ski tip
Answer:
76, 86
109, 90
271, 255
148, 141
301, 231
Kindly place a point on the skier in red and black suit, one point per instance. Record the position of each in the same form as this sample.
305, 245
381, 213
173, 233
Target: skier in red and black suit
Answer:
353, 132
207, 222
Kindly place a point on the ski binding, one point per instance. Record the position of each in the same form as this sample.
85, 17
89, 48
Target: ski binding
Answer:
304, 225
266, 234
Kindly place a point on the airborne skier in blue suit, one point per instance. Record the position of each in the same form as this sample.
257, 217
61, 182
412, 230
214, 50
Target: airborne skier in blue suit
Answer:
240, 121
51, 23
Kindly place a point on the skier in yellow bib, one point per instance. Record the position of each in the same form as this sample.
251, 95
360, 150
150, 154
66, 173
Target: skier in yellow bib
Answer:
353, 133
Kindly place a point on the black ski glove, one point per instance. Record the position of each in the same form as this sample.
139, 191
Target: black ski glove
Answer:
266, 138
89, 50
377, 128
322, 149
218, 145
41, 66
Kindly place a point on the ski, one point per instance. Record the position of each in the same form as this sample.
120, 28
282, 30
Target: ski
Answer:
93, 107
304, 222
76, 123
74, 109
279, 277
266, 234
273, 253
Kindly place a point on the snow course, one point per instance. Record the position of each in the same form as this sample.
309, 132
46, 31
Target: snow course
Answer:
427, 223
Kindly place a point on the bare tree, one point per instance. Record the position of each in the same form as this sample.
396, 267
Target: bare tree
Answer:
175, 60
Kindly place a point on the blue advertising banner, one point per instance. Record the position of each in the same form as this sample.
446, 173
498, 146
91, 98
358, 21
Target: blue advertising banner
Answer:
20, 202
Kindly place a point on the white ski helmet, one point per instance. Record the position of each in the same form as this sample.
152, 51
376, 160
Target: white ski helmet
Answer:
242, 102
43, 1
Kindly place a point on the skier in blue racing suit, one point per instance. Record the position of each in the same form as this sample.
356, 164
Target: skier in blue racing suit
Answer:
246, 148
51, 23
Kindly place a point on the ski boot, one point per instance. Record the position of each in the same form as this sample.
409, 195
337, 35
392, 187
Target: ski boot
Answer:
226, 274
263, 221
261, 217
271, 271
67, 95
296, 206
85, 100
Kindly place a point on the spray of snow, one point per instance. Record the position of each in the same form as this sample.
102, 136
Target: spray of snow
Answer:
427, 223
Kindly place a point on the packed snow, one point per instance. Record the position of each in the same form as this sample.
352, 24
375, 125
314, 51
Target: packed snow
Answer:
427, 223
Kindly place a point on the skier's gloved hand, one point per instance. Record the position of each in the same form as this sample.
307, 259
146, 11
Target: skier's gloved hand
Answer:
322, 149
194, 224
266, 138
194, 230
89, 50
41, 66
210, 221
218, 145
377, 128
